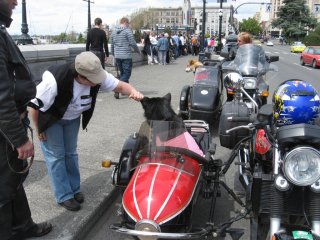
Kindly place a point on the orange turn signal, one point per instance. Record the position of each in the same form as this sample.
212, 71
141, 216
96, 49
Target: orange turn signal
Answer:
265, 93
106, 163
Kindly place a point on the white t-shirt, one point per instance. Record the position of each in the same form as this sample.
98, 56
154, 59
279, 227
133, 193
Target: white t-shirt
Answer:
47, 90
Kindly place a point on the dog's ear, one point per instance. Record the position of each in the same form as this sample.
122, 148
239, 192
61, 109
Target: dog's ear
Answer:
167, 97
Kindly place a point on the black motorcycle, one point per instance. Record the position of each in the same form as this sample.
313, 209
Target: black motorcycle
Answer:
251, 64
279, 168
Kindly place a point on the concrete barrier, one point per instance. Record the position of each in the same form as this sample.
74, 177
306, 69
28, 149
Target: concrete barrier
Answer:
40, 57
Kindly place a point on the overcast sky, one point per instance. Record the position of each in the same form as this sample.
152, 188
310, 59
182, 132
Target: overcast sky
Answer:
57, 16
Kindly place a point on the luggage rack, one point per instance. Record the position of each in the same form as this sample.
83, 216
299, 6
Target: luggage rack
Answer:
200, 131
194, 125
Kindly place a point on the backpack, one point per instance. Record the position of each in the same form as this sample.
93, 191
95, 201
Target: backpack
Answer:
194, 41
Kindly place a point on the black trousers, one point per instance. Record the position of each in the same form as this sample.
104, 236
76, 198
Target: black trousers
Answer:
15, 215
101, 56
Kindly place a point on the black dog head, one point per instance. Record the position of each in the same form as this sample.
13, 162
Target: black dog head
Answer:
159, 108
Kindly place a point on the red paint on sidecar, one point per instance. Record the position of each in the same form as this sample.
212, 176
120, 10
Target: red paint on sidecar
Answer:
161, 187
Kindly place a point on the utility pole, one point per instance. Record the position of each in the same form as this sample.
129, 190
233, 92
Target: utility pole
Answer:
89, 14
24, 38
203, 25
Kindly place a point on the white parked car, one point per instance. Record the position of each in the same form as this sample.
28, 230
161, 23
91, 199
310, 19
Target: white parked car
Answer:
269, 43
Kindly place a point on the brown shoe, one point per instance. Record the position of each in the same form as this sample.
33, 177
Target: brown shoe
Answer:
79, 197
37, 230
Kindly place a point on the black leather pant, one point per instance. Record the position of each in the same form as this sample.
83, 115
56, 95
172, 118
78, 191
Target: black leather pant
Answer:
15, 215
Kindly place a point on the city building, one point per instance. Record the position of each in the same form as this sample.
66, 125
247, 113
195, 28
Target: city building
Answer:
188, 18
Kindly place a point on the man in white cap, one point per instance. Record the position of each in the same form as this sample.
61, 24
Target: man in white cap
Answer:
66, 92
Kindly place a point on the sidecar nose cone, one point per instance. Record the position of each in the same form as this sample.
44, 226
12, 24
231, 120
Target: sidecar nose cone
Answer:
147, 226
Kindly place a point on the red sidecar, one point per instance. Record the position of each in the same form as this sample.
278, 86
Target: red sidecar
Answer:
163, 170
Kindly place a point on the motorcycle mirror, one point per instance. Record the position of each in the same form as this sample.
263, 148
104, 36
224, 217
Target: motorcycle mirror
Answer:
273, 58
233, 81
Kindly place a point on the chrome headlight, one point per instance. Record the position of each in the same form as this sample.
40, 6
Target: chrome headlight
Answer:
233, 81
147, 226
250, 83
302, 166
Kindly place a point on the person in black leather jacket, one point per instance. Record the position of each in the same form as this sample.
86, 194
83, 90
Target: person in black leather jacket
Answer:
16, 89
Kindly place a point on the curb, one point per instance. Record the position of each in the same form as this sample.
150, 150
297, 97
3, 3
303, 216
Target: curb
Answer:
94, 217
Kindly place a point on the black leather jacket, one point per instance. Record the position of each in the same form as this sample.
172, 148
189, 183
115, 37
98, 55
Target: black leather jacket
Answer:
16, 87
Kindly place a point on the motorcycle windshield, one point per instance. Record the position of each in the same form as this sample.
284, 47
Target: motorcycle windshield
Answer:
206, 75
250, 60
168, 143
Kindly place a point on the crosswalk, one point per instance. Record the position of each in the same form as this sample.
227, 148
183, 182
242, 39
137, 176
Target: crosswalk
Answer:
282, 53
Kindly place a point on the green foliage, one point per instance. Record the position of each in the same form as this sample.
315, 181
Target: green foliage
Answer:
137, 36
251, 26
294, 19
60, 38
313, 39
81, 38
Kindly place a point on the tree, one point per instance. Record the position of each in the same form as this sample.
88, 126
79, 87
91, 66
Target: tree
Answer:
294, 19
251, 26
81, 38
313, 38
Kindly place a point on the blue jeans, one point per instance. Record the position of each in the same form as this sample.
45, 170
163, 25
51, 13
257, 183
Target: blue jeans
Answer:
125, 68
162, 57
60, 154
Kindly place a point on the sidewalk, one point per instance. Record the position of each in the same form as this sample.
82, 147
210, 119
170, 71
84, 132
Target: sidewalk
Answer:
111, 123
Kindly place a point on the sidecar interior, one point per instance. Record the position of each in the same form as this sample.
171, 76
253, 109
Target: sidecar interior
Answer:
208, 74
134, 146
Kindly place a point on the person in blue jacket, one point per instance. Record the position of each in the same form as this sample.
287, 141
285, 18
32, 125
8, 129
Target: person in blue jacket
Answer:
163, 46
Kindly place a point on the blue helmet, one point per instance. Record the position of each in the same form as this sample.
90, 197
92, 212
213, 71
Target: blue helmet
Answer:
295, 101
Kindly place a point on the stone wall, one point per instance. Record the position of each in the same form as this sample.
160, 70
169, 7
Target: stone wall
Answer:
40, 57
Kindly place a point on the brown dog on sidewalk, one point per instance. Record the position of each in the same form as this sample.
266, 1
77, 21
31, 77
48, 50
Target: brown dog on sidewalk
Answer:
192, 65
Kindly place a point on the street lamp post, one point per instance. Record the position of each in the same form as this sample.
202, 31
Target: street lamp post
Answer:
203, 25
157, 27
24, 38
220, 27
233, 11
89, 14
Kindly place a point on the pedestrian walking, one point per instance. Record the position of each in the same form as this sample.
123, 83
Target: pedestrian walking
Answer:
16, 90
147, 47
67, 92
163, 46
176, 44
97, 42
121, 48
